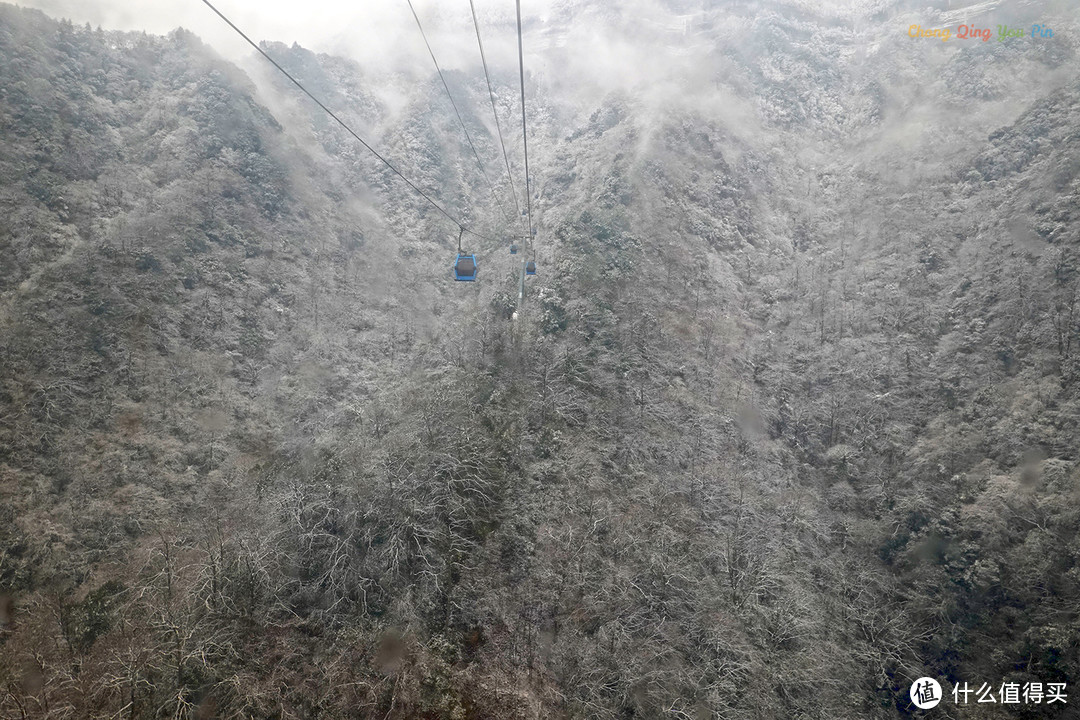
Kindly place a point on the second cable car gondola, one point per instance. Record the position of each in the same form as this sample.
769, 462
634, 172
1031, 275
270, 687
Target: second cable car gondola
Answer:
465, 266
513, 248
530, 267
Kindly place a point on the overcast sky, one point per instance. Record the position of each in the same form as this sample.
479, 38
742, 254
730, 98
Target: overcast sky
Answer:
588, 45
370, 31
376, 32
618, 41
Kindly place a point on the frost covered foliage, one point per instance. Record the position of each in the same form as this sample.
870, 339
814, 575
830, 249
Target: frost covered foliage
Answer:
787, 421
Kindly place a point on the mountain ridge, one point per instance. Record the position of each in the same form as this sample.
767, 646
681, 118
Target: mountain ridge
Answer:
763, 446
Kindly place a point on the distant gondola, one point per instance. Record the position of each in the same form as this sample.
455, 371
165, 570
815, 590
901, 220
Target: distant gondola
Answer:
513, 249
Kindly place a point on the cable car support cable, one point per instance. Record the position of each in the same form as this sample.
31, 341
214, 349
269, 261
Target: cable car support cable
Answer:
457, 112
494, 111
348, 129
524, 132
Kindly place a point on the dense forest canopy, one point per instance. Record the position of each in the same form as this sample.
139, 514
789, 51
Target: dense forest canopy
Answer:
788, 418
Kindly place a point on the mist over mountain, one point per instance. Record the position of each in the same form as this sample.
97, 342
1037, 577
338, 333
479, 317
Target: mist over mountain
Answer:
788, 417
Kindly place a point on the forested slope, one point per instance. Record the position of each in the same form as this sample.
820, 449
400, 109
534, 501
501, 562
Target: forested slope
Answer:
779, 431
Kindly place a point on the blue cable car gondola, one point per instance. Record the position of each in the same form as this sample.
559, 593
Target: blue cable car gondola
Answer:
530, 267
465, 266
513, 249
